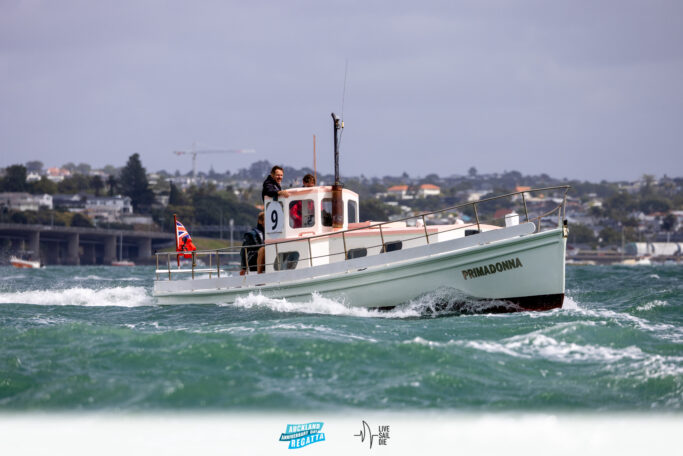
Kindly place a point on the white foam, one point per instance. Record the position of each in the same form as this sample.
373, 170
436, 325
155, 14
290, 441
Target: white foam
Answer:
546, 343
665, 331
13, 277
540, 345
96, 277
652, 304
78, 296
316, 305
569, 303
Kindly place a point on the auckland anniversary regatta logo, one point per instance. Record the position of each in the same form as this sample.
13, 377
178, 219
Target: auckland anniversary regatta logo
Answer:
492, 268
300, 435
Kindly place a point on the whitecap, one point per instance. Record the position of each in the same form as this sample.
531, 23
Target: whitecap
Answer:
663, 330
651, 305
569, 303
317, 304
78, 296
115, 279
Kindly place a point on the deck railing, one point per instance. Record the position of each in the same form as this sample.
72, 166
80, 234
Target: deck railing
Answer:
217, 267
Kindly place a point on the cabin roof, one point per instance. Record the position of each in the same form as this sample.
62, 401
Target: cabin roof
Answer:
299, 192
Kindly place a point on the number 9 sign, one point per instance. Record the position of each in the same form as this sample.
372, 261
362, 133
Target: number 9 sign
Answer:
275, 218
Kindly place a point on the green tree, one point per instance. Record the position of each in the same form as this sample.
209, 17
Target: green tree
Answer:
44, 185
134, 184
609, 236
580, 234
15, 179
669, 222
654, 204
97, 184
71, 166
112, 185
176, 197
375, 210
34, 166
81, 220
75, 183
83, 168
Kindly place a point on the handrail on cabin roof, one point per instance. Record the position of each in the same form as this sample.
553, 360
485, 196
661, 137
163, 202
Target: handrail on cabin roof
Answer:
380, 224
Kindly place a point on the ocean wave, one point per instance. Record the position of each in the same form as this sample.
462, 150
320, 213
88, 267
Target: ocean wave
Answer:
13, 277
78, 296
316, 305
569, 303
547, 343
662, 330
651, 305
113, 279
441, 302
550, 348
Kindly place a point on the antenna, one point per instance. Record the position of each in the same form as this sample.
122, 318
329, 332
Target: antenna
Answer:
346, 70
315, 169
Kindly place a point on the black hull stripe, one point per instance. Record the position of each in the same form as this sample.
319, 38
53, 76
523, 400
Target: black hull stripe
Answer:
520, 304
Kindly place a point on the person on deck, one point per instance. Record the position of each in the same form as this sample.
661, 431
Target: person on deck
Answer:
295, 208
272, 186
252, 246
309, 180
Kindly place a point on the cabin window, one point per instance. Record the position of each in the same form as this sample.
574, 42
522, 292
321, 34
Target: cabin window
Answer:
326, 211
356, 253
392, 246
301, 214
352, 210
286, 260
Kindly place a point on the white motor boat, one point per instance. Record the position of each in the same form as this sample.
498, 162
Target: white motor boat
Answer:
315, 244
380, 265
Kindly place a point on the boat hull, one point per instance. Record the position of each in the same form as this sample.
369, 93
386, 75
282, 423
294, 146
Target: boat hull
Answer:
526, 270
24, 264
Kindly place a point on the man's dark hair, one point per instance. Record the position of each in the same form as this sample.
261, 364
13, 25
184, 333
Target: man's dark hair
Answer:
275, 168
309, 178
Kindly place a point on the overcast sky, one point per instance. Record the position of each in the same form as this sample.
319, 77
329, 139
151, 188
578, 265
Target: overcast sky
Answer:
579, 89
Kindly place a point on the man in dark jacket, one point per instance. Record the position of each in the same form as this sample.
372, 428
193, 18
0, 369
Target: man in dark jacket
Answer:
272, 186
253, 240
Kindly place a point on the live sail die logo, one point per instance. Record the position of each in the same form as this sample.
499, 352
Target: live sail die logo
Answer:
366, 433
301, 435
492, 268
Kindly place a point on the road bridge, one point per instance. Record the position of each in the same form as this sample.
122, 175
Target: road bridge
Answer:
76, 245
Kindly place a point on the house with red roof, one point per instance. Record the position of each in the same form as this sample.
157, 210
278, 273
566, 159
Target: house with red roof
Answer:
426, 190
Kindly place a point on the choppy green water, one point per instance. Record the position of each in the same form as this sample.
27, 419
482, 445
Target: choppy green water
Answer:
92, 338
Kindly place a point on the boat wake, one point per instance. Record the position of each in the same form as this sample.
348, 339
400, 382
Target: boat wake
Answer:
78, 296
439, 303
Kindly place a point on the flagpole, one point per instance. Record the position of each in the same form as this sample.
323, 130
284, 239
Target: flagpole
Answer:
177, 246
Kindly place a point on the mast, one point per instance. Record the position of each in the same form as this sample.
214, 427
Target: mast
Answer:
337, 202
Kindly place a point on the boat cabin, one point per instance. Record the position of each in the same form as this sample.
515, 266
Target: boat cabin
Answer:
304, 215
306, 212
299, 231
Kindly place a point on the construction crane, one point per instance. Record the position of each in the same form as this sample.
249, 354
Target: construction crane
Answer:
194, 151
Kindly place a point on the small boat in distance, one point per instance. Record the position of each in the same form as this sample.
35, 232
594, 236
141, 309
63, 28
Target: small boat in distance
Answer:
316, 244
24, 264
122, 263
